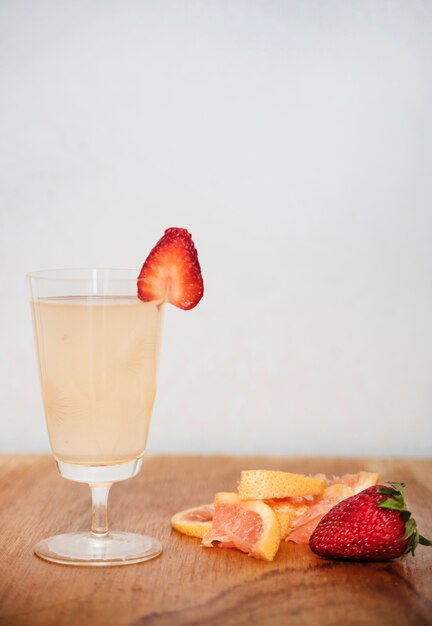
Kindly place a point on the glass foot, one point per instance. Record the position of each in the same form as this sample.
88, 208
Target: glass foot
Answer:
114, 548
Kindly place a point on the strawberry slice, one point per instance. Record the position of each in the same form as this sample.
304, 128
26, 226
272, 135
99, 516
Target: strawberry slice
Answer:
172, 271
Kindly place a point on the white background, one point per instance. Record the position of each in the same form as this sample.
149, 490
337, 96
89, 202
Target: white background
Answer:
294, 140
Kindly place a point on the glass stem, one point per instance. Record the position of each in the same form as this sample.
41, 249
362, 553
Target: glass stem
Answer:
99, 493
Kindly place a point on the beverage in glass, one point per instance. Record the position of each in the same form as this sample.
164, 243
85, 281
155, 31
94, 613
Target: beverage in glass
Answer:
97, 345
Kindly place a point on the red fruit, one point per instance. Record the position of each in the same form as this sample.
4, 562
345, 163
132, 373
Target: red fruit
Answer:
172, 271
373, 525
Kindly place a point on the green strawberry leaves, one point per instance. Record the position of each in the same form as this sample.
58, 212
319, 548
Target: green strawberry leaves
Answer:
424, 542
410, 528
396, 502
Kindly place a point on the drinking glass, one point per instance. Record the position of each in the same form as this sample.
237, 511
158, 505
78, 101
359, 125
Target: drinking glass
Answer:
97, 346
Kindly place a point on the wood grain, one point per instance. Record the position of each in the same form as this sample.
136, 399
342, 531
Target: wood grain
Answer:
189, 585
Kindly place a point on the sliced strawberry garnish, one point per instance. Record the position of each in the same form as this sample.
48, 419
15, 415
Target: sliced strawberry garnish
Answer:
172, 271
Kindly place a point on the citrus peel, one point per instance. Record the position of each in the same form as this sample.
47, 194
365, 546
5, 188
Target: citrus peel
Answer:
269, 484
194, 522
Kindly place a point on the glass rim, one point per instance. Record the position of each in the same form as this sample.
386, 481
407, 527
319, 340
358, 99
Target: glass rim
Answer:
86, 273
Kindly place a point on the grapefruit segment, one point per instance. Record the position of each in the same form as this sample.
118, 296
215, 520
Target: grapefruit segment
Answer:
287, 510
270, 484
250, 526
195, 522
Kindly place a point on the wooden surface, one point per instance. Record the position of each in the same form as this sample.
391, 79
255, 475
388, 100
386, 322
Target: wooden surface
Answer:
189, 585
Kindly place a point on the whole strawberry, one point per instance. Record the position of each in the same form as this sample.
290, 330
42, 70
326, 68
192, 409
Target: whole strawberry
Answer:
374, 525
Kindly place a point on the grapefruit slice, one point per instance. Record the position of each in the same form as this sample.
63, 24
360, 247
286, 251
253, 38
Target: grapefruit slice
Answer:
195, 522
250, 526
302, 526
269, 484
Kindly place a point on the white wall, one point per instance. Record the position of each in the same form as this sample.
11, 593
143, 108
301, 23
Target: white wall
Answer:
294, 140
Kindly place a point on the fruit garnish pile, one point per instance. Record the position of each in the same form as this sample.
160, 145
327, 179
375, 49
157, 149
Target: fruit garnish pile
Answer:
346, 517
172, 273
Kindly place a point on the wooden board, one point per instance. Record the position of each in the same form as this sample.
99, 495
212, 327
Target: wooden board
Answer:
189, 585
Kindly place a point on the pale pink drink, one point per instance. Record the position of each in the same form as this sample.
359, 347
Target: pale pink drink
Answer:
97, 364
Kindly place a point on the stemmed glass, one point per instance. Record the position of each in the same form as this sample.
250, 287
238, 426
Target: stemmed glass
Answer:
97, 346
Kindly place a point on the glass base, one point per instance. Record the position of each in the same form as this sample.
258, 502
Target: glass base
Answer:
86, 548
99, 473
